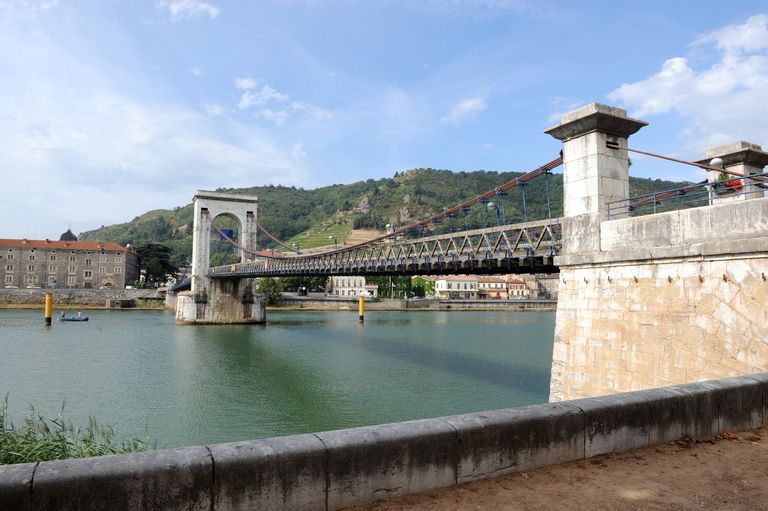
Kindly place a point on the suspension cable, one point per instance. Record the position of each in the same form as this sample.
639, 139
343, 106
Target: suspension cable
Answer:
686, 162
464, 207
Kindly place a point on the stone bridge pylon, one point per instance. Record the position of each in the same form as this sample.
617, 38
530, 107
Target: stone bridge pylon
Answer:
221, 300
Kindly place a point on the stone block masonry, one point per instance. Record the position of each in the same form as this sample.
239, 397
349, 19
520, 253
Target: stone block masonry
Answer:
335, 469
647, 301
678, 308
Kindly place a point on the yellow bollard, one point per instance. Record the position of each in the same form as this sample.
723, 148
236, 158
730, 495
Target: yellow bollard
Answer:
361, 308
48, 308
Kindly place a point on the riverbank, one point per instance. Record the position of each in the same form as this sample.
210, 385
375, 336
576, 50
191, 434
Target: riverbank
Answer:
68, 298
319, 302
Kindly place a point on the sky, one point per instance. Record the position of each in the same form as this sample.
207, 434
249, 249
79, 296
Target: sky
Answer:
112, 108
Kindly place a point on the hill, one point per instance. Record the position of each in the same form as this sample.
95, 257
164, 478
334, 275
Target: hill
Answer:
313, 218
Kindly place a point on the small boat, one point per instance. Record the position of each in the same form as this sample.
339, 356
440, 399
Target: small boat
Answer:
73, 318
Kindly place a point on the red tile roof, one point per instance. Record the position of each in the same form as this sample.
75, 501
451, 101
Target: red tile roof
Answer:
94, 246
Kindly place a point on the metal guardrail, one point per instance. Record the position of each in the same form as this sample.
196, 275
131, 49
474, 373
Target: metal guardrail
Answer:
502, 249
694, 195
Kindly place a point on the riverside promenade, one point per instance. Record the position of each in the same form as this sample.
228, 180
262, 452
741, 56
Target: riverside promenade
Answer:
723, 472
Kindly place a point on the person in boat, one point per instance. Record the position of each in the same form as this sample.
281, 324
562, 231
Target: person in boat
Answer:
62, 314
79, 314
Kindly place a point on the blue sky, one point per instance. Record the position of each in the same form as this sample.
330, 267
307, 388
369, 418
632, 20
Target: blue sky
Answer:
112, 108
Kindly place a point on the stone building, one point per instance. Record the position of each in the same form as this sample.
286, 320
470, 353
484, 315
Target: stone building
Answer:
516, 288
66, 263
351, 287
457, 287
492, 288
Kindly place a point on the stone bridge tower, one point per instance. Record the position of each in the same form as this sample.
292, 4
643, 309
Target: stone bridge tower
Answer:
220, 300
673, 297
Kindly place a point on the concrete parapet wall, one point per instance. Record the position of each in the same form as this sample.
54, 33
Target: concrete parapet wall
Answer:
334, 469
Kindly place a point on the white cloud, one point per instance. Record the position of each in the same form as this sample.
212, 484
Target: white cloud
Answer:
297, 150
261, 97
465, 110
77, 147
278, 117
314, 112
213, 110
722, 102
197, 71
245, 83
187, 9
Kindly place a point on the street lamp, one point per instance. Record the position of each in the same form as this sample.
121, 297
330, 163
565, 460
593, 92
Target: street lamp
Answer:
492, 205
713, 176
393, 228
335, 243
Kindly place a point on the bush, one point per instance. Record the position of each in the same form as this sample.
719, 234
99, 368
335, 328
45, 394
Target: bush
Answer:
41, 439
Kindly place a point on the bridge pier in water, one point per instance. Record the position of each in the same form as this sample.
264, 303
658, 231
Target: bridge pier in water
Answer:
662, 299
221, 301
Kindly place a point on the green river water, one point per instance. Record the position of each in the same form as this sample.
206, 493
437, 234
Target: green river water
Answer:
303, 371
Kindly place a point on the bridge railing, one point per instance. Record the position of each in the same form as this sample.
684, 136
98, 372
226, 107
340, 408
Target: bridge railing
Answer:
694, 195
458, 251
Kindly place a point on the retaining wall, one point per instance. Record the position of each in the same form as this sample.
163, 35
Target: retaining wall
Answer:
334, 469
72, 296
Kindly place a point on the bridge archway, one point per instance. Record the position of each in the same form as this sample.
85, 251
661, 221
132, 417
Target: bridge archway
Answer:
208, 206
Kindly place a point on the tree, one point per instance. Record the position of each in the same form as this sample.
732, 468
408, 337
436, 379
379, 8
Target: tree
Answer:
156, 263
272, 291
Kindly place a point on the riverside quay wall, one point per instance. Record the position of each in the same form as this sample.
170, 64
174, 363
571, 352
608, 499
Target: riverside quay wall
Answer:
75, 297
334, 469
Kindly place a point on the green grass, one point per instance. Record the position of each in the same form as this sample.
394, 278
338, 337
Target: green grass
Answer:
318, 235
41, 439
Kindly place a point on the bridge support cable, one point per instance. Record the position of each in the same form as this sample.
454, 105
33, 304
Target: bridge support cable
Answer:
703, 166
382, 255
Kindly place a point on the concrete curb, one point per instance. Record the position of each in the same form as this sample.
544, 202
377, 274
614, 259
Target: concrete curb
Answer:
334, 469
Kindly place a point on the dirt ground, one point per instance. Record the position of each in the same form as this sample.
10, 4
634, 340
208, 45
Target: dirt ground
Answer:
727, 472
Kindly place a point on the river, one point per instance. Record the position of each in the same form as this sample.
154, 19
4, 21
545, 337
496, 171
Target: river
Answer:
303, 371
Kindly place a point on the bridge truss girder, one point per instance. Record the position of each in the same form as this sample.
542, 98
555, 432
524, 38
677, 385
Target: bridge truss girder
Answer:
521, 248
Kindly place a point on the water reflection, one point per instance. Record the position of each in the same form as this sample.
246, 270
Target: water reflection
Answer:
301, 372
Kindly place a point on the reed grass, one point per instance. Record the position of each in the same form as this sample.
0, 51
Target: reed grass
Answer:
40, 439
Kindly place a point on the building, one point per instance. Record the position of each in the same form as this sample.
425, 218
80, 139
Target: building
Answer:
67, 263
456, 287
493, 288
351, 287
516, 288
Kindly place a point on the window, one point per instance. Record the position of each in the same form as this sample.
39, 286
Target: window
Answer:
71, 259
53, 257
72, 269
117, 269
102, 269
51, 279
31, 267
9, 278
8, 267
53, 269
71, 281
88, 274
117, 258
10, 257
103, 259
88, 262
31, 257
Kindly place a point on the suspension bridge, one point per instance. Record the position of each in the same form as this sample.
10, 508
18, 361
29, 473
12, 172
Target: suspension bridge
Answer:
527, 247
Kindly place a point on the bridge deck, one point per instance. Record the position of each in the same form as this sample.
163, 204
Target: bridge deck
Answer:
520, 248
